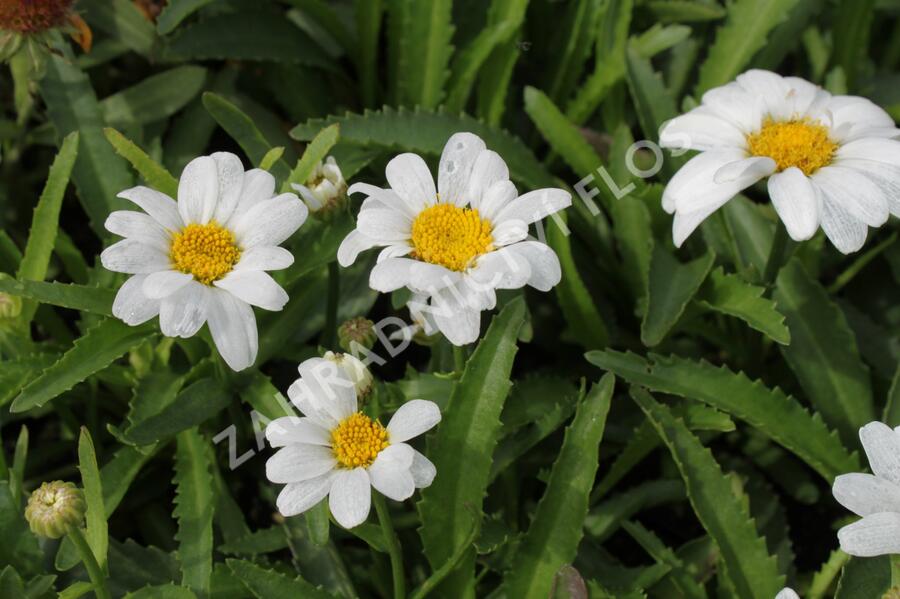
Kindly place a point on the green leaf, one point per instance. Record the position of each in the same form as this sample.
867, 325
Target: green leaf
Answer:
264, 540
368, 19
464, 443
174, 13
606, 517
771, 411
852, 25
684, 11
730, 294
194, 405
244, 131
744, 33
95, 350
671, 287
423, 50
682, 577
99, 174
122, 21
865, 578
155, 98
45, 222
194, 505
246, 35
95, 300
316, 151
271, 157
823, 352
426, 132
97, 535
152, 172
749, 567
572, 38
556, 528
163, 591
20, 549
265, 584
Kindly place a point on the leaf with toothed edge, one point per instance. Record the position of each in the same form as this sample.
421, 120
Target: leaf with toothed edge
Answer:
264, 583
194, 505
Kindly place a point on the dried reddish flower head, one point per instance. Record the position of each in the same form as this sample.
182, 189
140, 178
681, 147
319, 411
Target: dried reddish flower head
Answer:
33, 16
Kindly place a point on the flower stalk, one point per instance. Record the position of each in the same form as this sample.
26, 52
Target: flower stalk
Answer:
392, 544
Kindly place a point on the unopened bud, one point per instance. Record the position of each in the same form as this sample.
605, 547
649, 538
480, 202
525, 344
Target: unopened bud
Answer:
326, 190
357, 331
10, 305
355, 370
54, 508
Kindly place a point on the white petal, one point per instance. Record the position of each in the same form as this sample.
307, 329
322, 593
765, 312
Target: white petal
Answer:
489, 169
509, 232
182, 313
535, 205
877, 149
158, 205
864, 494
131, 305
747, 169
265, 257
458, 323
852, 115
772, 88
233, 329
390, 472
804, 96
271, 221
734, 104
854, 192
422, 470
384, 198
140, 227
328, 388
385, 225
258, 185
787, 593
354, 243
701, 129
545, 269
291, 429
693, 187
255, 287
296, 498
350, 497
412, 419
886, 176
495, 198
796, 202
843, 229
685, 223
501, 269
397, 250
882, 447
878, 534
299, 462
394, 273
164, 283
198, 190
133, 257
408, 175
230, 174
455, 168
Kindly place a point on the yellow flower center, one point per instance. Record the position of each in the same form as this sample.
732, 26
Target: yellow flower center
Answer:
357, 440
801, 143
450, 236
208, 251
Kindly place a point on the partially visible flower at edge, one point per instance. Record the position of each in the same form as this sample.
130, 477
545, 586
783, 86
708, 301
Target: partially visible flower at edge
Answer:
355, 370
203, 258
831, 161
326, 190
336, 451
455, 244
787, 593
875, 497
27, 25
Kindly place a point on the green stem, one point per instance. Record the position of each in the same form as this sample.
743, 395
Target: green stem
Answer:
441, 573
393, 545
860, 263
777, 255
459, 358
90, 563
329, 334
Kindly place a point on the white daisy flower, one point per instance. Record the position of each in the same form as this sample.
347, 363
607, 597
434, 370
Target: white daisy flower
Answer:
325, 187
787, 593
457, 243
203, 258
875, 497
832, 161
339, 452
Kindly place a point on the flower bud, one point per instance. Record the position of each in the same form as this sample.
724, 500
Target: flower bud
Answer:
54, 508
325, 190
357, 331
10, 305
355, 370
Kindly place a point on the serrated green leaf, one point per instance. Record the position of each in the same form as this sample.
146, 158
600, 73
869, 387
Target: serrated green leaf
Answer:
671, 286
427, 132
164, 591
465, 440
730, 294
99, 174
423, 50
823, 352
194, 507
607, 516
155, 98
685, 11
556, 529
194, 405
744, 33
265, 584
654, 103
749, 566
264, 540
771, 411
316, 151
97, 536
95, 350
655, 548
244, 131
152, 172
95, 300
